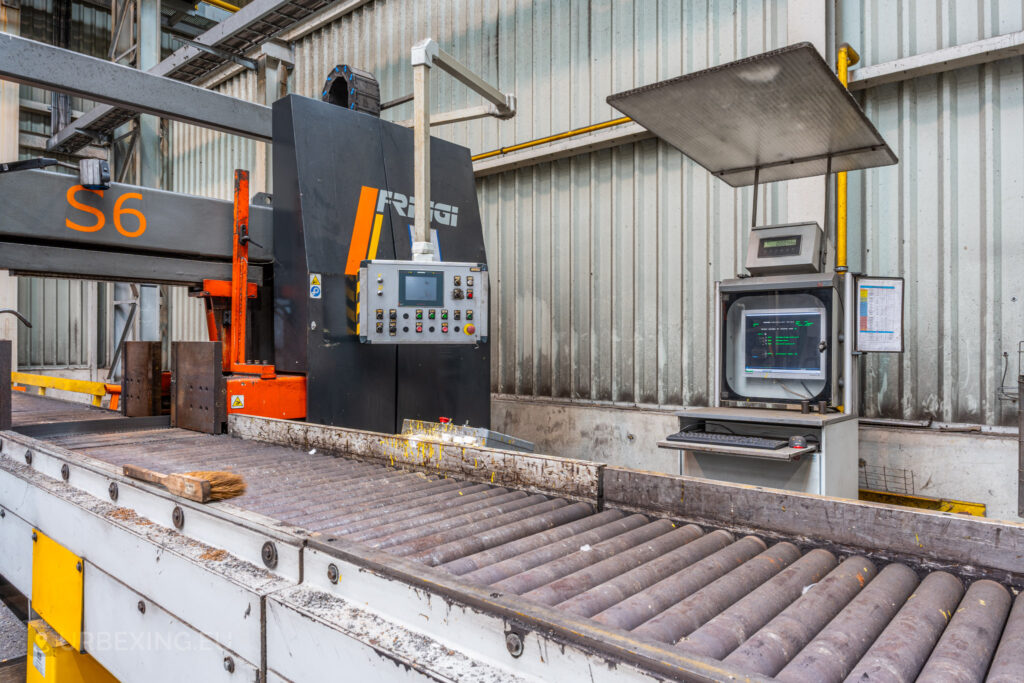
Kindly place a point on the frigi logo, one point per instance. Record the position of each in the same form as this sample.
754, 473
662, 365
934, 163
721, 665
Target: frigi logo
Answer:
370, 216
445, 214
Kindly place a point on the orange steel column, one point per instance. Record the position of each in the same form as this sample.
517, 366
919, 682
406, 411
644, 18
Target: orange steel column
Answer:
239, 269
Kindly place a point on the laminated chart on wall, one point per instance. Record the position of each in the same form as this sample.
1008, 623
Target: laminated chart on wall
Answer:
880, 315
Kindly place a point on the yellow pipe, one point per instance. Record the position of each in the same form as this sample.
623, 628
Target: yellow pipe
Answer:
552, 138
223, 5
847, 58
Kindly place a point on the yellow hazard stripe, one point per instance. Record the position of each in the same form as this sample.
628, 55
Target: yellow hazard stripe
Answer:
375, 239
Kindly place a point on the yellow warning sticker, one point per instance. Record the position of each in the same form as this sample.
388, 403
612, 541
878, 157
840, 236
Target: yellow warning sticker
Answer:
314, 279
237, 401
315, 289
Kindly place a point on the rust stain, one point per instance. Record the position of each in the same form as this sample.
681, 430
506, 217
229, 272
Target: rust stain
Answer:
214, 554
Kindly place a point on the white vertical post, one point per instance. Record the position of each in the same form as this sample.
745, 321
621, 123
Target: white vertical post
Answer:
422, 248
808, 21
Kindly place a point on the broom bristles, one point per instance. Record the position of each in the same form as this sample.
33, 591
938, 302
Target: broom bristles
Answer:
223, 485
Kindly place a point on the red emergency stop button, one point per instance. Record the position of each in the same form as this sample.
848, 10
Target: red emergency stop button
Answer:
469, 329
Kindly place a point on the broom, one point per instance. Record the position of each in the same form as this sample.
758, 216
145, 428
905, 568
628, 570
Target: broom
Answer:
201, 487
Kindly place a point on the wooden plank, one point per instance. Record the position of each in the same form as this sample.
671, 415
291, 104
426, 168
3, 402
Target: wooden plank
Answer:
970, 544
564, 477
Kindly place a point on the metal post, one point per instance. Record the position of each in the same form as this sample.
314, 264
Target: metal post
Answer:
422, 248
240, 271
6, 365
60, 109
150, 165
1020, 445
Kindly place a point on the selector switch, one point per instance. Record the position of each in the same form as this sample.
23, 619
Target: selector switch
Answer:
380, 328
393, 329
457, 293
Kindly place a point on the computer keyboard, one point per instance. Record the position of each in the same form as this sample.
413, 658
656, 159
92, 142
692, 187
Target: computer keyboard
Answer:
728, 440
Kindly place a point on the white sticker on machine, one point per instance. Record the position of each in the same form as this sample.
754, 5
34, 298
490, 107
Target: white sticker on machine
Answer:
39, 660
237, 401
315, 286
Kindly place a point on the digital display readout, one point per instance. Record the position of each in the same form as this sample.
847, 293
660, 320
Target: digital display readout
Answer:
772, 247
788, 242
783, 342
420, 288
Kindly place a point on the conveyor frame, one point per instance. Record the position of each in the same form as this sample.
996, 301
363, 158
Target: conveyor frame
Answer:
422, 619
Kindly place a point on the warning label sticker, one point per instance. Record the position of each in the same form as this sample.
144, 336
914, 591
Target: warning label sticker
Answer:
237, 401
39, 660
315, 286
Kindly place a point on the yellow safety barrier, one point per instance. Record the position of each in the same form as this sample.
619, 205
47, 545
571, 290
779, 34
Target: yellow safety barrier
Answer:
79, 386
962, 507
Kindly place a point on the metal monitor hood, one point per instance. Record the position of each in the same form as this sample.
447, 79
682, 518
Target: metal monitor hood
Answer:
775, 116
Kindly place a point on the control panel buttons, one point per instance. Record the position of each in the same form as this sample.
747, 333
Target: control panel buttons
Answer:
469, 329
458, 280
469, 315
380, 314
380, 277
380, 328
419, 314
469, 280
457, 293
419, 327
469, 293
393, 314
431, 313
458, 315
393, 329
380, 291
444, 327
444, 314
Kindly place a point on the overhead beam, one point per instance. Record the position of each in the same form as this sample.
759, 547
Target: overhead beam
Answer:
249, 16
33, 63
52, 209
939, 61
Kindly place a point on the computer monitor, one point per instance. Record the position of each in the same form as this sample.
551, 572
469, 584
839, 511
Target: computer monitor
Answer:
783, 343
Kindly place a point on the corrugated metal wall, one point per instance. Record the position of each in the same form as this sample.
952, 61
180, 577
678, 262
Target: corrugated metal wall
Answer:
603, 264
948, 218
61, 334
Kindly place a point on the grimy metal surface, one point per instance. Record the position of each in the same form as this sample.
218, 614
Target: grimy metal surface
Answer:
760, 605
52, 208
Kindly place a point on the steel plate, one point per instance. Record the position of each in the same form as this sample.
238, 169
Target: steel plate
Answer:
783, 111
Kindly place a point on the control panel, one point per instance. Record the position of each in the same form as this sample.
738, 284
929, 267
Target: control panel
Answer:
777, 249
422, 302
